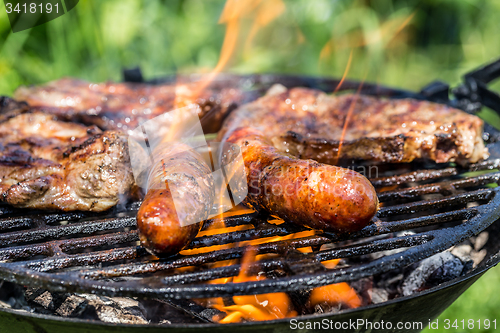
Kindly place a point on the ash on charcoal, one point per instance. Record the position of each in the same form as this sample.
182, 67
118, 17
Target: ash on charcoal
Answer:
123, 310
327, 308
472, 249
432, 271
378, 295
73, 306
118, 310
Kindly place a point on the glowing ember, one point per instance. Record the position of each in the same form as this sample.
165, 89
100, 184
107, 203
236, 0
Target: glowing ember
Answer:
335, 294
253, 307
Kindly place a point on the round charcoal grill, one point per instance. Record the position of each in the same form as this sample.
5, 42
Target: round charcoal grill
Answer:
98, 253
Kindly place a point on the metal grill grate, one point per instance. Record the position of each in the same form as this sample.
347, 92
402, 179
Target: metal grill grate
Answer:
99, 253
87, 252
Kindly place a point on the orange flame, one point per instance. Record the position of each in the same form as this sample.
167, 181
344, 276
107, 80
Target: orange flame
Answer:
262, 13
334, 294
268, 306
254, 307
348, 119
347, 67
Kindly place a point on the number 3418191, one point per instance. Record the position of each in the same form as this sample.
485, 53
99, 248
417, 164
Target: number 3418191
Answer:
32, 8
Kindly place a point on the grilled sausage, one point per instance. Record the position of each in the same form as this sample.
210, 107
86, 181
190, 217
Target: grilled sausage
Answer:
305, 192
180, 184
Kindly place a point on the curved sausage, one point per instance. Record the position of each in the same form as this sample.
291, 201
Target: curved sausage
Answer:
179, 196
305, 192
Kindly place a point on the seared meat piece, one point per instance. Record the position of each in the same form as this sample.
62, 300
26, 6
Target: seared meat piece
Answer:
51, 164
124, 106
309, 124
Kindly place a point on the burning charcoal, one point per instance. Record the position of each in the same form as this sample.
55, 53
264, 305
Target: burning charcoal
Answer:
117, 310
472, 250
299, 299
73, 306
378, 295
432, 271
480, 240
477, 257
462, 251
326, 308
45, 300
42, 300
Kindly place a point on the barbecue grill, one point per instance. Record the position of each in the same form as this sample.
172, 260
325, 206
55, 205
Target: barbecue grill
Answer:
98, 253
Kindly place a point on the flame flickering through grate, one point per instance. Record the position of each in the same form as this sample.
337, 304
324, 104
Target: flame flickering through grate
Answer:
98, 253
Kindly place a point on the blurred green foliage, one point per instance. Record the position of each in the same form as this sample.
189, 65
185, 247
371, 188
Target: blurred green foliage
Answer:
442, 40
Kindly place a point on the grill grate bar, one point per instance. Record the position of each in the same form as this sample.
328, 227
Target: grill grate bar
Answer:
85, 259
231, 221
15, 222
372, 247
432, 174
200, 259
419, 206
133, 272
223, 272
380, 227
93, 241
87, 227
238, 236
445, 188
267, 264
54, 247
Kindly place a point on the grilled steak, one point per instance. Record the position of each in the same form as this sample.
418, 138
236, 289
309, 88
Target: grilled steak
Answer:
50, 164
123, 106
308, 123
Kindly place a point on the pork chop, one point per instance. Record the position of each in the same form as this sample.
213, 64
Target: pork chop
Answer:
309, 124
123, 106
51, 164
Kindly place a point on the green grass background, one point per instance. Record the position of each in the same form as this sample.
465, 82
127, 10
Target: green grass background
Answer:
443, 40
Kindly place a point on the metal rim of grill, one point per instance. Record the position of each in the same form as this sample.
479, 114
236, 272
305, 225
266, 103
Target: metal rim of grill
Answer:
76, 258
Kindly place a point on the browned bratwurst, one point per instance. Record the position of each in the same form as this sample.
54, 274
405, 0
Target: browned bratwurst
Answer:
305, 192
170, 215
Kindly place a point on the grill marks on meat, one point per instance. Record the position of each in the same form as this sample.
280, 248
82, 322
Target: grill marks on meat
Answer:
123, 106
50, 164
308, 124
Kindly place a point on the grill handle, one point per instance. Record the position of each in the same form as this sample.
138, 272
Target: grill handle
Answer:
474, 91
